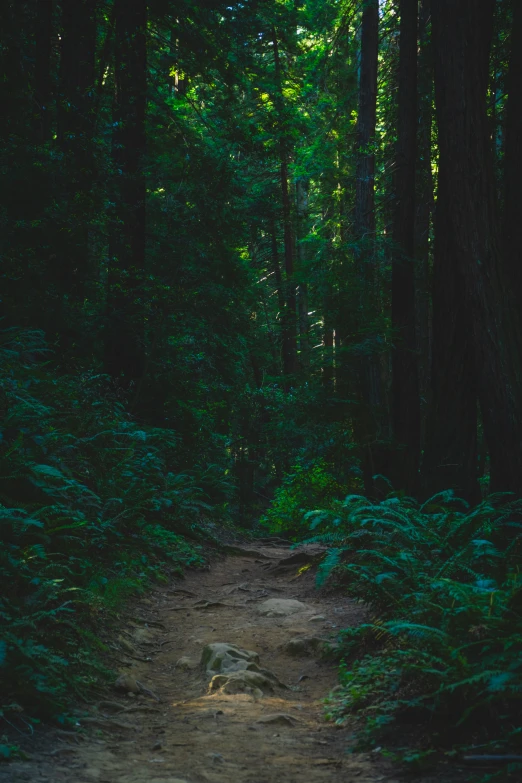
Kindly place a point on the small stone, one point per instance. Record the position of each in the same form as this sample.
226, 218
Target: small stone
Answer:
317, 618
127, 683
142, 635
126, 645
223, 658
281, 607
242, 682
305, 646
168, 780
186, 664
278, 719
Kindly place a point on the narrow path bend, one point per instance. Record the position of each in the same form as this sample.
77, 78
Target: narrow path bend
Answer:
193, 737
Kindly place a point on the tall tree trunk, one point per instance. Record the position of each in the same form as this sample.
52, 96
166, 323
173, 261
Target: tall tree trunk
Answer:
124, 338
290, 314
366, 121
405, 381
424, 209
42, 68
328, 351
369, 429
77, 75
450, 456
461, 46
75, 126
512, 223
302, 217
285, 344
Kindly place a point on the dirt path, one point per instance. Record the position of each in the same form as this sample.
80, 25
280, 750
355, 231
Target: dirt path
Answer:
193, 736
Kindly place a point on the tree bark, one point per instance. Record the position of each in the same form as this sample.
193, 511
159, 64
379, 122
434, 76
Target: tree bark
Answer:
462, 38
302, 216
77, 75
405, 380
75, 128
512, 223
42, 69
366, 121
281, 302
328, 353
124, 338
424, 211
290, 313
450, 456
370, 426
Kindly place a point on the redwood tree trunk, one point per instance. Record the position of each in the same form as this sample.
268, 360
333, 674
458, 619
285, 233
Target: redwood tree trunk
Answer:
124, 339
302, 216
285, 342
369, 432
77, 75
290, 312
405, 381
424, 211
366, 121
42, 70
462, 37
512, 226
450, 456
75, 127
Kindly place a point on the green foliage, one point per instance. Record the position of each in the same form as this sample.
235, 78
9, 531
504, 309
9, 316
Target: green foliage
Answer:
302, 489
8, 751
443, 584
92, 507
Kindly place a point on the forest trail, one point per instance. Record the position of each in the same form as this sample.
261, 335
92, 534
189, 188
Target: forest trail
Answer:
192, 736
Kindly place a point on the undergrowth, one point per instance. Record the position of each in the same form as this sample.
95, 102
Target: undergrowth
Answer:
443, 646
304, 487
92, 507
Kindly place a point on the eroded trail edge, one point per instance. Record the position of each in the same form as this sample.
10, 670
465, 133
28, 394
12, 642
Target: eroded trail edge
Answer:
253, 716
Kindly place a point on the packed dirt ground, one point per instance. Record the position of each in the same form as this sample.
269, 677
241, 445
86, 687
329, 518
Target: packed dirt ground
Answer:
252, 712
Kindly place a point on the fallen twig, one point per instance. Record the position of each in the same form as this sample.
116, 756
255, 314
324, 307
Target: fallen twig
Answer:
109, 724
140, 708
508, 758
147, 691
58, 751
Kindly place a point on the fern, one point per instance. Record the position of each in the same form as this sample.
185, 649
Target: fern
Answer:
92, 507
445, 585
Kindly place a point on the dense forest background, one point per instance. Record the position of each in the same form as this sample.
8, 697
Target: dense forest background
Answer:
257, 257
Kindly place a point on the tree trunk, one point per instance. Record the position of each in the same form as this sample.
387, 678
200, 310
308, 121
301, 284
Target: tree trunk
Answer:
461, 46
512, 223
450, 456
285, 343
302, 216
328, 354
75, 127
424, 210
77, 75
369, 427
42, 69
405, 381
290, 313
124, 339
366, 121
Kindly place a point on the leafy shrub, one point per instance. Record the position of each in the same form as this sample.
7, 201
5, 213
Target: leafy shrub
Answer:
92, 506
443, 583
301, 490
